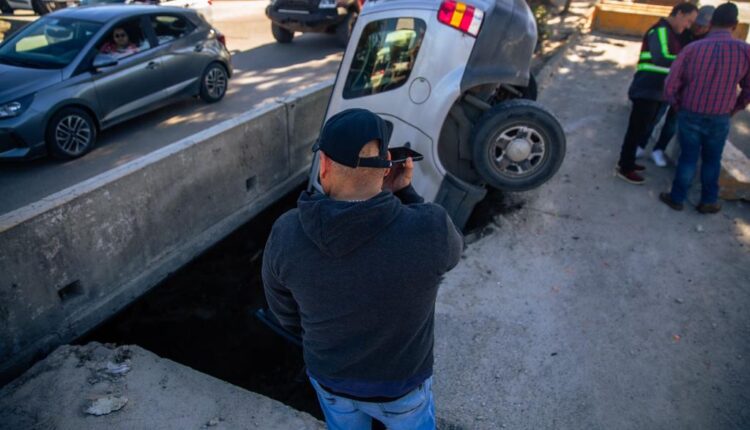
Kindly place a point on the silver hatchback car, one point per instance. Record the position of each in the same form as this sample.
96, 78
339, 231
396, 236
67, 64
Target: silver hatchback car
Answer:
78, 71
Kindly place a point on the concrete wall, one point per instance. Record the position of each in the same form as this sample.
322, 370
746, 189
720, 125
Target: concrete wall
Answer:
73, 259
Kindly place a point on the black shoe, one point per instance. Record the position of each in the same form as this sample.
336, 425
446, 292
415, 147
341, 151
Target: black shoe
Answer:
708, 208
667, 200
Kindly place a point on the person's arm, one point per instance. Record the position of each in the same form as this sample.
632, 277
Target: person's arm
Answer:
408, 195
398, 181
675, 81
658, 46
744, 98
454, 244
279, 298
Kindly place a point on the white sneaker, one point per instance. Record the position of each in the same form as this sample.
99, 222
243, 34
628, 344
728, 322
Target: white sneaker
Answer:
658, 156
639, 152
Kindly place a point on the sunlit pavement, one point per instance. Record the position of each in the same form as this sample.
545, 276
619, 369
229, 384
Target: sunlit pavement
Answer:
595, 306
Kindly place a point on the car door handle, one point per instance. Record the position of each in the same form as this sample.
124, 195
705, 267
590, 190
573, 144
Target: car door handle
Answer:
152, 65
198, 47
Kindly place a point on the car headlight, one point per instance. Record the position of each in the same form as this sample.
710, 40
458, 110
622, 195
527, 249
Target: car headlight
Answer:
15, 108
327, 4
9, 110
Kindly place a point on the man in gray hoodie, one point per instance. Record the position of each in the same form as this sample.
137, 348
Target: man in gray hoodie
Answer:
355, 272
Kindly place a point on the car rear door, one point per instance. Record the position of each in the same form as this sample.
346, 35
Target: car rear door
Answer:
180, 44
134, 84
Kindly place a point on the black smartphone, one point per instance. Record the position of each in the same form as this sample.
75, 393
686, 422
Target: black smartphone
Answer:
401, 153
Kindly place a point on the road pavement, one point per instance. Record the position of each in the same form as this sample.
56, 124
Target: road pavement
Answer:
595, 306
264, 70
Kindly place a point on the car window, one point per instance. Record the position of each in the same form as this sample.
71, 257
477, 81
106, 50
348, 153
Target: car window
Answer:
126, 38
170, 27
385, 56
48, 43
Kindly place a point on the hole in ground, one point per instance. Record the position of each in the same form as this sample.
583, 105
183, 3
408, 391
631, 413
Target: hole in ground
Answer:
202, 315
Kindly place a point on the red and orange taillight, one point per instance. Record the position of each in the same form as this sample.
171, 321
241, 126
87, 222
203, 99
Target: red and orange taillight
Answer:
461, 16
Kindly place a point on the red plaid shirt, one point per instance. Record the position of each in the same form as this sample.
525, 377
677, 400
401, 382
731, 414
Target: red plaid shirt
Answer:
704, 77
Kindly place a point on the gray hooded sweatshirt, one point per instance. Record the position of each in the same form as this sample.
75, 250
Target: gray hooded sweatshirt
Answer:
358, 281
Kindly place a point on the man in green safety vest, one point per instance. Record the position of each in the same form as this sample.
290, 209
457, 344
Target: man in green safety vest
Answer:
661, 44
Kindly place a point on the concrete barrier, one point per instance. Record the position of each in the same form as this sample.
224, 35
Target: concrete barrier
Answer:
634, 19
70, 261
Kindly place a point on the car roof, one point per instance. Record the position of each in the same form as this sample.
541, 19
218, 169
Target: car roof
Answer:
105, 13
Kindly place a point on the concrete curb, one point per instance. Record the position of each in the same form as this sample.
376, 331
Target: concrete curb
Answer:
75, 258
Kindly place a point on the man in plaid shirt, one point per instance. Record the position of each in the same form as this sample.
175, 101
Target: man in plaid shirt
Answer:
702, 88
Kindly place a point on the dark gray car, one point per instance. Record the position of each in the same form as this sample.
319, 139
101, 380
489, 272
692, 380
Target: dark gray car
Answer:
78, 71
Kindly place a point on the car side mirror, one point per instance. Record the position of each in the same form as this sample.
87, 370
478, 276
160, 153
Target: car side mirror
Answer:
102, 60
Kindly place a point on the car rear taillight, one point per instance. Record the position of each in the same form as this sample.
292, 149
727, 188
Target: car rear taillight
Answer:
461, 16
221, 38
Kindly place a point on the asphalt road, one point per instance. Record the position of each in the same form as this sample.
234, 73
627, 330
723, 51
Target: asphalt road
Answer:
263, 71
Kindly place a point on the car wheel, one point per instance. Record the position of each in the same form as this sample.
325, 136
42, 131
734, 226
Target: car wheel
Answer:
214, 83
517, 145
70, 133
281, 34
344, 29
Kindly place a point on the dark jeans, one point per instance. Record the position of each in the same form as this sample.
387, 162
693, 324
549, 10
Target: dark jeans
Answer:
701, 136
668, 130
642, 120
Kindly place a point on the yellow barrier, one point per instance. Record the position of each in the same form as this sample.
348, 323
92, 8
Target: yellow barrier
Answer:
633, 19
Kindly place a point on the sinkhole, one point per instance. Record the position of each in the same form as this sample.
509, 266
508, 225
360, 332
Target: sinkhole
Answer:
202, 316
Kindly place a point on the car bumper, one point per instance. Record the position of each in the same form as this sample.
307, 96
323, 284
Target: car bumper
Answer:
22, 137
303, 21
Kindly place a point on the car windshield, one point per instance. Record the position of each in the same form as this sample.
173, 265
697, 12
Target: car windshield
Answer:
385, 55
49, 43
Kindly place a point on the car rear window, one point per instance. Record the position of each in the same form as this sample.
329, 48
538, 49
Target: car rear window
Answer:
385, 56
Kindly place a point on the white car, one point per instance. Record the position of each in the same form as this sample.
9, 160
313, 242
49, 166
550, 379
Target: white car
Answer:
452, 80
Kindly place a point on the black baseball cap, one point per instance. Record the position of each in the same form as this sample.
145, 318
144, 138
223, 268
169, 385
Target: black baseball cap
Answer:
345, 133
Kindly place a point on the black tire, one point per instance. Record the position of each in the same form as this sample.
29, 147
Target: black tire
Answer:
70, 133
527, 140
344, 29
214, 83
281, 34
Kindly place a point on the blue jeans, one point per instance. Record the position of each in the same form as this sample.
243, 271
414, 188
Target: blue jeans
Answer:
701, 136
413, 411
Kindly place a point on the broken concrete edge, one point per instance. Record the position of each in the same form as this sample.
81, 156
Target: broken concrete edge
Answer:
102, 386
113, 237
734, 182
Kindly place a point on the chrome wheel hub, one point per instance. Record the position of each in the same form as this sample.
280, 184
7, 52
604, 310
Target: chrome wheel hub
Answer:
518, 151
216, 82
73, 134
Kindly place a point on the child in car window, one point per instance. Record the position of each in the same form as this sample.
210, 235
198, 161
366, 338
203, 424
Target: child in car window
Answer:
119, 45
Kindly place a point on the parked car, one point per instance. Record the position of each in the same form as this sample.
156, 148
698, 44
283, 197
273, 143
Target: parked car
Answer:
66, 78
203, 7
41, 7
453, 82
313, 16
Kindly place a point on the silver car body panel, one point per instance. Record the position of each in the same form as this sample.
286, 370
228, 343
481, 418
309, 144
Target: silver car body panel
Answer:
441, 62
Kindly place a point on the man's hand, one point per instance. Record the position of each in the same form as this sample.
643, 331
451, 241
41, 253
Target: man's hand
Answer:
399, 176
